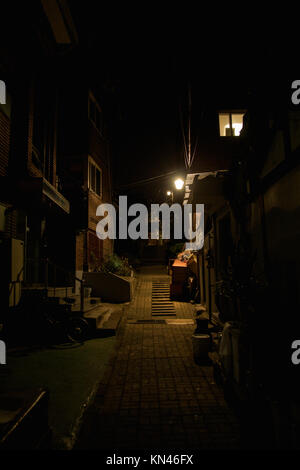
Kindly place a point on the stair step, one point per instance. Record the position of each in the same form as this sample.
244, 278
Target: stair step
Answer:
95, 316
75, 304
60, 291
105, 318
112, 322
90, 303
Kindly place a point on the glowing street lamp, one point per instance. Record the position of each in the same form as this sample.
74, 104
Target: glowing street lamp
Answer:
170, 195
179, 183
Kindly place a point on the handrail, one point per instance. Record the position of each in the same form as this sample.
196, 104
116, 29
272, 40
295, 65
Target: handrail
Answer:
75, 278
13, 284
64, 270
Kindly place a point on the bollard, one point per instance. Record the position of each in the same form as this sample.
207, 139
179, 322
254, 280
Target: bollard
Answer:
201, 347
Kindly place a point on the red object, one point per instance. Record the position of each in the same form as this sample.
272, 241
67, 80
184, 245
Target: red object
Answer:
179, 271
179, 276
179, 264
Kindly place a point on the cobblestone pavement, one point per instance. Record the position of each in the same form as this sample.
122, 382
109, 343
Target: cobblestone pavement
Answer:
153, 395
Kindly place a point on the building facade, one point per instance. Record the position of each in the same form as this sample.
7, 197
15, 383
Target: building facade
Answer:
248, 269
32, 206
86, 173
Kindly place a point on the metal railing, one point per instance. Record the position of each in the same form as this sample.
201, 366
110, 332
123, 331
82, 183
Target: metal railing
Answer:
43, 271
13, 285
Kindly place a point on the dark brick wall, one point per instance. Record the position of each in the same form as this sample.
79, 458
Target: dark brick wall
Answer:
4, 143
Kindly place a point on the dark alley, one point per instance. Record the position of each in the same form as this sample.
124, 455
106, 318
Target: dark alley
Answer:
149, 233
155, 395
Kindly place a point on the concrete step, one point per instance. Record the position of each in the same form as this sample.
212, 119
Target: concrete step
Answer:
59, 297
105, 318
60, 291
112, 322
89, 303
74, 301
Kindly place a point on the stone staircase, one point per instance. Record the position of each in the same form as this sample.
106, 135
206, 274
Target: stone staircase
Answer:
103, 318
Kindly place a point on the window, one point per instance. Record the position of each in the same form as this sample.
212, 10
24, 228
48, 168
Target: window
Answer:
44, 129
95, 114
95, 178
230, 124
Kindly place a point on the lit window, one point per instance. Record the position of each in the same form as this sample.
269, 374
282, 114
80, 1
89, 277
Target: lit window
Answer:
230, 124
95, 177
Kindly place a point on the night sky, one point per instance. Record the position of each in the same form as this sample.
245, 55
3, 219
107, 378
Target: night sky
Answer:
142, 60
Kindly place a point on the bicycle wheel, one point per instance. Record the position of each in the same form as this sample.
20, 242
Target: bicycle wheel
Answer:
77, 329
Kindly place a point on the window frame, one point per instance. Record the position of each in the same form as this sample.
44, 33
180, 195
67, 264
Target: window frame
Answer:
230, 112
98, 109
91, 161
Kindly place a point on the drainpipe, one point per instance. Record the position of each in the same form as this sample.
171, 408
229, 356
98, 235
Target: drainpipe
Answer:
25, 248
85, 248
209, 279
82, 296
198, 272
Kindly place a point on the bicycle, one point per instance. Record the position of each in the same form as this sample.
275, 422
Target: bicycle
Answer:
60, 324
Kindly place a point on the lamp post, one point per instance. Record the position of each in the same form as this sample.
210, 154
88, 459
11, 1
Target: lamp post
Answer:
170, 195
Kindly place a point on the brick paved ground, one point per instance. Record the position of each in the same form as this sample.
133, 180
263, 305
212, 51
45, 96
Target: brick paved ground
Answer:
153, 395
